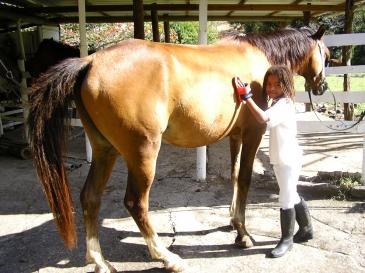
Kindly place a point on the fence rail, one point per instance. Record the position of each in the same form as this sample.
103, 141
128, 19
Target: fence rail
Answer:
340, 96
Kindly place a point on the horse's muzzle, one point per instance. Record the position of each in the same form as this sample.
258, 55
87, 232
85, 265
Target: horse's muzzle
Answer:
319, 89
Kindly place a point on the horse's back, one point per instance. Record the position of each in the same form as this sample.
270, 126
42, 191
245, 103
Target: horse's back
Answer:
183, 93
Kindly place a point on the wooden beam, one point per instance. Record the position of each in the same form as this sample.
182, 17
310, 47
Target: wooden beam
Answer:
195, 7
242, 2
356, 4
13, 28
296, 2
15, 14
122, 19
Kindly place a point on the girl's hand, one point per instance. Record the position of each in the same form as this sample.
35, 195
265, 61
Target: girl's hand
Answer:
243, 90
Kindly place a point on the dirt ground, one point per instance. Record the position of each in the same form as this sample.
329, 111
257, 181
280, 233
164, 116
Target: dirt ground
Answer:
191, 217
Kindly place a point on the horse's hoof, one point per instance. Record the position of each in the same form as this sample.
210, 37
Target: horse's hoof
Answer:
244, 242
175, 264
107, 268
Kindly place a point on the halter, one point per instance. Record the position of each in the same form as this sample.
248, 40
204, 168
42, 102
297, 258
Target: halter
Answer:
323, 59
362, 115
322, 85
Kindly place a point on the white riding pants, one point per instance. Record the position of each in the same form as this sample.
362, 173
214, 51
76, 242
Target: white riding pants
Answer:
287, 177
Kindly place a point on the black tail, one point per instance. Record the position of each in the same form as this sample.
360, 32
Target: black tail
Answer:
48, 121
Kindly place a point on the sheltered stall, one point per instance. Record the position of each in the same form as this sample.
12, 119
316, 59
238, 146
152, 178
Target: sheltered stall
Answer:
17, 15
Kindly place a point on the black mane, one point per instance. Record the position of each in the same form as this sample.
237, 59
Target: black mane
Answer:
286, 46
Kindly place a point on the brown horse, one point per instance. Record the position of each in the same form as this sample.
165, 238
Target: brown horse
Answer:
135, 95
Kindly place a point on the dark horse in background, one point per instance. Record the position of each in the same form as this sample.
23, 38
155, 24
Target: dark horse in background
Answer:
134, 95
49, 53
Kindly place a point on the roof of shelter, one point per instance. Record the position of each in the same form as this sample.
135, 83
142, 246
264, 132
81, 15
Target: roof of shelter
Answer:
46, 12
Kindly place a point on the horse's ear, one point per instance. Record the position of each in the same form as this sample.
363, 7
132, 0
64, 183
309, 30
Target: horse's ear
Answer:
318, 35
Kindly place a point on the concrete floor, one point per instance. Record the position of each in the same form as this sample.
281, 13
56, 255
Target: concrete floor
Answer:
191, 217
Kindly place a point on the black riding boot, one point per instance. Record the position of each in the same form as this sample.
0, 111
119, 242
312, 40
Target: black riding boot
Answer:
303, 218
287, 222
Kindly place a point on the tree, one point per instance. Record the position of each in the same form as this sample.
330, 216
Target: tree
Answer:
188, 32
102, 35
98, 35
255, 26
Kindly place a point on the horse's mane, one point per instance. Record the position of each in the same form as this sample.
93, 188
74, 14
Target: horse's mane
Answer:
286, 46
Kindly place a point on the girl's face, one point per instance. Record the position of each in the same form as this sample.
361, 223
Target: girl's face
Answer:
273, 87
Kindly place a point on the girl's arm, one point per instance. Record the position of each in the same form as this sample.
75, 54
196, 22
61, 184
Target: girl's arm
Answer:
257, 112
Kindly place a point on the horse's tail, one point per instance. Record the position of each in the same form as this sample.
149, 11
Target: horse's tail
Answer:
48, 124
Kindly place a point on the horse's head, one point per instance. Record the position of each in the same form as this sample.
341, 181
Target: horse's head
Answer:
314, 69
49, 53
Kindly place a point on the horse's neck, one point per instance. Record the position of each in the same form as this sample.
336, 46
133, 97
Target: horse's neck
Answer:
285, 52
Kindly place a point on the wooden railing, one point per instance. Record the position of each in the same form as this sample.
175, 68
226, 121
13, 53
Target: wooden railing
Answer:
340, 96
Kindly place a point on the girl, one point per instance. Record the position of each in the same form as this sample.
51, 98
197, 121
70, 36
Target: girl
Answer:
284, 151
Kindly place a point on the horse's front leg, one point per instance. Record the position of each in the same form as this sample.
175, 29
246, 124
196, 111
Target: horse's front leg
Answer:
251, 139
141, 170
235, 142
99, 173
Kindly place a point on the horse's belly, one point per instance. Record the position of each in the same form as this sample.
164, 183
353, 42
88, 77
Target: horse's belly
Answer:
200, 128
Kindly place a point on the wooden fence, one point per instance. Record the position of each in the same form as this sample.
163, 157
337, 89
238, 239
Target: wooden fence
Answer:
340, 95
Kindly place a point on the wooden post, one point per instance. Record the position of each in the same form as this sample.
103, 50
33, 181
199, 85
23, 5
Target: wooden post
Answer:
346, 58
306, 20
154, 18
23, 81
166, 28
83, 53
138, 19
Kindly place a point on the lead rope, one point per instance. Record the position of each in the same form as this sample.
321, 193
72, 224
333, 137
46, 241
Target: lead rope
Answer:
334, 99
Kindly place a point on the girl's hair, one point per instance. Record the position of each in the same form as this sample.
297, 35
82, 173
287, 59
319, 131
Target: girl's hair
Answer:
285, 78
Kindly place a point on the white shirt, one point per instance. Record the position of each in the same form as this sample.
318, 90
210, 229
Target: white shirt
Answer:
283, 145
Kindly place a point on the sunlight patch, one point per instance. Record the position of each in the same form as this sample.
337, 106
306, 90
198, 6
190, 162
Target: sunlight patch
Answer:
13, 224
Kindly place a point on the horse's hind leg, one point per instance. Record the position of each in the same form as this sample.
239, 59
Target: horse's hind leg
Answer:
141, 164
101, 166
102, 163
251, 139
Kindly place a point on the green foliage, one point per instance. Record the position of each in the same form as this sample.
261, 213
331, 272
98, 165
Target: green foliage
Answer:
255, 27
188, 32
102, 35
335, 25
98, 35
345, 184
335, 83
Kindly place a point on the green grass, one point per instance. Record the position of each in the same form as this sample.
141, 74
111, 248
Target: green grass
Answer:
335, 83
345, 184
